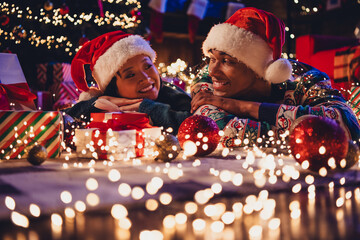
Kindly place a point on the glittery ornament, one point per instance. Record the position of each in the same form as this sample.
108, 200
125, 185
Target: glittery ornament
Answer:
352, 156
64, 9
37, 155
48, 6
167, 148
4, 20
320, 141
69, 130
19, 32
199, 132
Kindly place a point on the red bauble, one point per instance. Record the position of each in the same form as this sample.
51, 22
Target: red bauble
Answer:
64, 9
316, 139
201, 131
4, 20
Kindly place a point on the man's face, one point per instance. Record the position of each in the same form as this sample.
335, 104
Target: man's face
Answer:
230, 77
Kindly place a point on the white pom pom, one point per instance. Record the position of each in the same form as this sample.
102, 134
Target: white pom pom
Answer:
278, 71
92, 92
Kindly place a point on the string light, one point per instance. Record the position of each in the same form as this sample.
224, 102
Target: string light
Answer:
54, 17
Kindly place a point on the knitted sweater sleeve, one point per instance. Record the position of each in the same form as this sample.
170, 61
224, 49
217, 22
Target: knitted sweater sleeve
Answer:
170, 109
81, 111
310, 94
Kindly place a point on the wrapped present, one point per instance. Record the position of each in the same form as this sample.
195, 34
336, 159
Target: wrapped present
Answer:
66, 95
14, 90
51, 75
21, 130
116, 136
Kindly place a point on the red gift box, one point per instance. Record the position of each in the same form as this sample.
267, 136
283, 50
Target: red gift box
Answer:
117, 133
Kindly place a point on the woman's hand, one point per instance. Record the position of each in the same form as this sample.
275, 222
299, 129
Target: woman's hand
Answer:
123, 104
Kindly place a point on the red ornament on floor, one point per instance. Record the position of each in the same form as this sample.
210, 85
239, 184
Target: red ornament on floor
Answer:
200, 132
316, 140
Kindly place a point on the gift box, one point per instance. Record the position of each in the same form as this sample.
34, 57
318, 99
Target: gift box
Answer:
66, 95
14, 90
116, 136
21, 130
51, 75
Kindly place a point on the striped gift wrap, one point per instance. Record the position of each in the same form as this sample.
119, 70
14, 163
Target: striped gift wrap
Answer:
21, 130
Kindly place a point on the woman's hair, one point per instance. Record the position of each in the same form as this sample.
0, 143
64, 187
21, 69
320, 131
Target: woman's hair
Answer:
111, 89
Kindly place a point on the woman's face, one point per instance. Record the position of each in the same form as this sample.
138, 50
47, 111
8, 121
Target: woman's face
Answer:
138, 78
230, 77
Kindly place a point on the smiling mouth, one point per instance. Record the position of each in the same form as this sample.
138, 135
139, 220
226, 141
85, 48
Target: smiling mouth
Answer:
146, 89
217, 84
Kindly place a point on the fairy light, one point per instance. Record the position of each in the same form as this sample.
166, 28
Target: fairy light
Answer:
191, 208
125, 223
56, 219
92, 184
34, 210
199, 224
169, 221
69, 213
80, 206
151, 204
119, 211
58, 20
10, 203
92, 199
19, 219
114, 175
165, 198
124, 189
180, 218
137, 193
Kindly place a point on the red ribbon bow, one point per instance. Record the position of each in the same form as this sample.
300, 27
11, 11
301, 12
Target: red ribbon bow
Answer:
17, 91
125, 121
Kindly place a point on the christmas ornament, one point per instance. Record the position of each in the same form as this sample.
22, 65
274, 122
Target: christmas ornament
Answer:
69, 130
352, 156
135, 13
200, 133
48, 6
64, 9
319, 140
167, 148
4, 20
37, 155
19, 32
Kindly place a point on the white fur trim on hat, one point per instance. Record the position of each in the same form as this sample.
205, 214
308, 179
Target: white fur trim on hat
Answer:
111, 61
248, 48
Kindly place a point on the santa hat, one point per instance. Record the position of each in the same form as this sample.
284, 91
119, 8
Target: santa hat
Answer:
254, 37
106, 54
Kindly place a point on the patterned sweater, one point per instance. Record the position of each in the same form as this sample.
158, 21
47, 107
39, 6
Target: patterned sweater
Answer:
309, 93
169, 110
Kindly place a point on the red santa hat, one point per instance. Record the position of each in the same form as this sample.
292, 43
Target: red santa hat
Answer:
254, 37
106, 54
